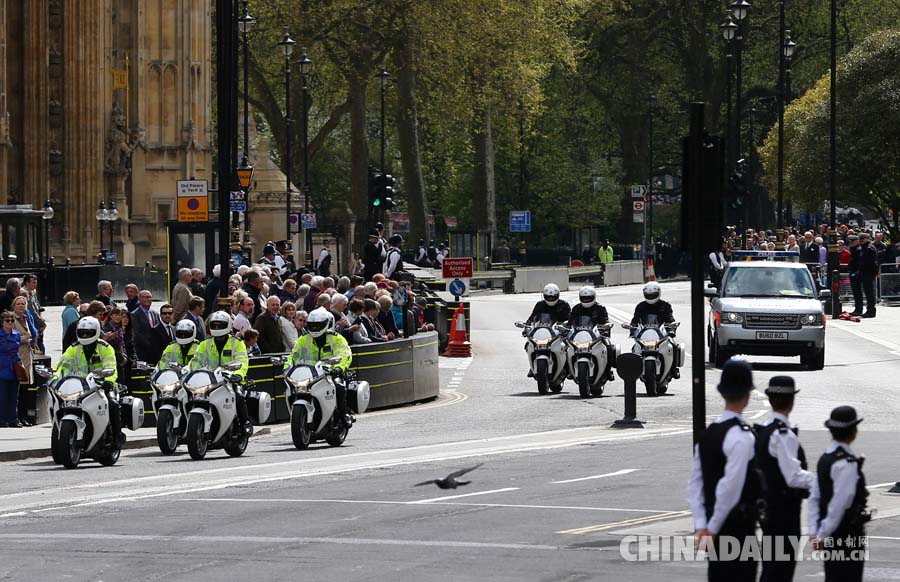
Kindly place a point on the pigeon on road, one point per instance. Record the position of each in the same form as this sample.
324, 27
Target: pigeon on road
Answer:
450, 482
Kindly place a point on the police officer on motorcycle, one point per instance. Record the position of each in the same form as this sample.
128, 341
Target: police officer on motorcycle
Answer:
220, 349
182, 350
653, 305
92, 354
320, 343
588, 307
552, 305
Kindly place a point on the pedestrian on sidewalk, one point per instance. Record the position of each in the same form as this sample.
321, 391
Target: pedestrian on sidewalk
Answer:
868, 270
26, 332
9, 383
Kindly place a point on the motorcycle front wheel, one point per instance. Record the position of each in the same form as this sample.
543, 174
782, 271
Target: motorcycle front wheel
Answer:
68, 445
584, 380
337, 436
54, 445
196, 439
300, 431
165, 432
541, 375
650, 377
111, 456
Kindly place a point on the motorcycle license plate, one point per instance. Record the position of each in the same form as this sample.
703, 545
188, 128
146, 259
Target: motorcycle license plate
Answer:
771, 335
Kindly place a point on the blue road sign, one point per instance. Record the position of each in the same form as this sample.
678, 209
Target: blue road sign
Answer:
238, 201
237, 259
308, 221
519, 221
457, 288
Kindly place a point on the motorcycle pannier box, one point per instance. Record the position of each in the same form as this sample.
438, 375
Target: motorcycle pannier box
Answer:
132, 412
358, 396
259, 406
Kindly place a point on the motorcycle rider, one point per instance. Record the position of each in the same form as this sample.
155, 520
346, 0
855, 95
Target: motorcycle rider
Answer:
652, 305
551, 304
220, 349
588, 307
320, 343
92, 354
182, 350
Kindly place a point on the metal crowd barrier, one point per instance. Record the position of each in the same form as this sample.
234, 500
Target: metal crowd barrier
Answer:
889, 282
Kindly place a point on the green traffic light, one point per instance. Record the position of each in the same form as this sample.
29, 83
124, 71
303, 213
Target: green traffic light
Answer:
376, 202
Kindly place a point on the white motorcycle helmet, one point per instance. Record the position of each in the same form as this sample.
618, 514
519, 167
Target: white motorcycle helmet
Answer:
87, 331
551, 294
319, 322
185, 332
587, 296
652, 292
219, 323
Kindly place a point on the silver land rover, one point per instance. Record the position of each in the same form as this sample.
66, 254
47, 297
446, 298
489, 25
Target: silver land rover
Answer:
767, 308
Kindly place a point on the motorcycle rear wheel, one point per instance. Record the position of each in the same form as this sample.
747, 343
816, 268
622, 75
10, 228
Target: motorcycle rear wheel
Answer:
237, 447
196, 439
111, 456
338, 435
541, 375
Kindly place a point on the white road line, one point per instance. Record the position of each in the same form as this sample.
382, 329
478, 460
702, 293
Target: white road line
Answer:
758, 414
622, 472
880, 485
380, 502
424, 501
271, 540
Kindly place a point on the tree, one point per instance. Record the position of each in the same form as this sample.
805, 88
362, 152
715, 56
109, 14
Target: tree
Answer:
868, 134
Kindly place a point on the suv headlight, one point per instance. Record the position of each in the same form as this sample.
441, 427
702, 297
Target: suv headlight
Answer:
811, 319
732, 317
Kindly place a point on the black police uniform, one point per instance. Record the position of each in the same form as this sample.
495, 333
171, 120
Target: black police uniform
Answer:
855, 279
852, 524
661, 309
868, 269
559, 313
782, 501
373, 259
596, 312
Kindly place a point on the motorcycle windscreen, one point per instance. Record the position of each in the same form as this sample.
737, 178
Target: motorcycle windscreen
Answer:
200, 378
541, 333
583, 322
301, 373
582, 337
166, 377
71, 386
649, 334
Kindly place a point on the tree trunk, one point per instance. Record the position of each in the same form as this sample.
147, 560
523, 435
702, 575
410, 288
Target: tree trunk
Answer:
408, 141
359, 161
484, 194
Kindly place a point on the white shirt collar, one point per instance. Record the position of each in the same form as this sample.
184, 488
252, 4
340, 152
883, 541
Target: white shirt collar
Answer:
727, 415
781, 417
835, 445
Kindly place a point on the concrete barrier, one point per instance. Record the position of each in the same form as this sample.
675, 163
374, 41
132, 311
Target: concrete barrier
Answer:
623, 273
533, 279
400, 371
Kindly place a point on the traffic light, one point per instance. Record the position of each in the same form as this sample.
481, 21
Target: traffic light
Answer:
381, 191
737, 185
389, 192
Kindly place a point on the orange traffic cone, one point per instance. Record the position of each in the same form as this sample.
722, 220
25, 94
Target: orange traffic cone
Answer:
650, 274
458, 347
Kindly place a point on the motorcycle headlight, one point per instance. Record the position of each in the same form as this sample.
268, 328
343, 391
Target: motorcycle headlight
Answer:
649, 343
541, 342
166, 388
300, 384
200, 390
71, 396
811, 319
731, 317
582, 345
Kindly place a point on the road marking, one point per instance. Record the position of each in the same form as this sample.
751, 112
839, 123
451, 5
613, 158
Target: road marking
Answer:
758, 414
269, 540
880, 485
625, 523
622, 472
97, 493
423, 501
382, 502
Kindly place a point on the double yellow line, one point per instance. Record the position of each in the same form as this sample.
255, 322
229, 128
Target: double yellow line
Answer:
626, 523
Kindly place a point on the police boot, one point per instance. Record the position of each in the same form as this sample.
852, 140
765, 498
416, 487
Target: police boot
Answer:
115, 422
869, 314
243, 416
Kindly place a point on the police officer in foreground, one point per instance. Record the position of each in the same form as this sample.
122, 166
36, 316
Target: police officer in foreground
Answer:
182, 350
220, 349
721, 491
551, 305
587, 307
783, 463
837, 506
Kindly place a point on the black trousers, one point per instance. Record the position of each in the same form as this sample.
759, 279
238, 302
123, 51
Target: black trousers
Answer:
868, 285
856, 287
733, 570
784, 521
849, 571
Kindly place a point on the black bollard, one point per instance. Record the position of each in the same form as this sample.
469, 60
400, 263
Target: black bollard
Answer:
628, 366
836, 307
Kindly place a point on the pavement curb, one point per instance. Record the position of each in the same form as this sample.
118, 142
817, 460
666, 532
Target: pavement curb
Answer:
142, 443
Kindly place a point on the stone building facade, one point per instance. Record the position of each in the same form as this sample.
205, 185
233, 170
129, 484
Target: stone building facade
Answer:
70, 134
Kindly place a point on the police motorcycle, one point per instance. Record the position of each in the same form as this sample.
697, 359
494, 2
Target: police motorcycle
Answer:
212, 417
589, 352
79, 409
311, 393
661, 356
169, 398
546, 349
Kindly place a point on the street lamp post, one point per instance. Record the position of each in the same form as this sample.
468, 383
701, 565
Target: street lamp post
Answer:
305, 67
287, 47
651, 104
833, 256
740, 9
729, 29
383, 78
101, 218
245, 25
47, 217
786, 52
112, 215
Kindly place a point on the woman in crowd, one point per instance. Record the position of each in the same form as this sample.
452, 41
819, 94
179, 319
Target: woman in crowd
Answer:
288, 326
20, 304
300, 323
71, 300
9, 384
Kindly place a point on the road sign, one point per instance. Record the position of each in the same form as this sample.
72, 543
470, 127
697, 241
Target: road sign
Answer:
519, 221
238, 201
638, 205
460, 268
237, 259
308, 221
294, 222
638, 191
457, 287
193, 201
638, 217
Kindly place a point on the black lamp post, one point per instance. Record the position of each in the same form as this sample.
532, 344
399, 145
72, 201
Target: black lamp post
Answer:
112, 215
383, 79
101, 218
833, 257
729, 29
47, 217
788, 47
740, 9
287, 47
651, 104
305, 67
245, 24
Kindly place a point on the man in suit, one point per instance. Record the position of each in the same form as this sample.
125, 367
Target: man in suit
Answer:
271, 339
144, 324
181, 294
196, 307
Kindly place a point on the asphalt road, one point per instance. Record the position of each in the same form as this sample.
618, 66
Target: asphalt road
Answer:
557, 492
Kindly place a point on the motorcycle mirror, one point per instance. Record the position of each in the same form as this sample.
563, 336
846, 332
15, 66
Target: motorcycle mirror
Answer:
106, 372
174, 365
520, 325
233, 366
626, 326
334, 360
606, 326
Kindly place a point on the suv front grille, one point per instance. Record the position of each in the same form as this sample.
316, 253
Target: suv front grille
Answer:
772, 321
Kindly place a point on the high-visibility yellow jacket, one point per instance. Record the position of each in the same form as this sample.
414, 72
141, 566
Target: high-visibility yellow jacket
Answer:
173, 354
306, 351
605, 254
208, 357
74, 361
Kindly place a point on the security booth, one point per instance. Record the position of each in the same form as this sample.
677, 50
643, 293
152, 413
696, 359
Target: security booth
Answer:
23, 241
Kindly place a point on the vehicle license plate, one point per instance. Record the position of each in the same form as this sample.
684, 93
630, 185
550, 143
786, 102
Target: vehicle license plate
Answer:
771, 335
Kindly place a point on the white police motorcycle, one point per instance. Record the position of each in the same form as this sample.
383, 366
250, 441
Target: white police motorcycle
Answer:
661, 356
170, 402
312, 399
546, 351
589, 352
